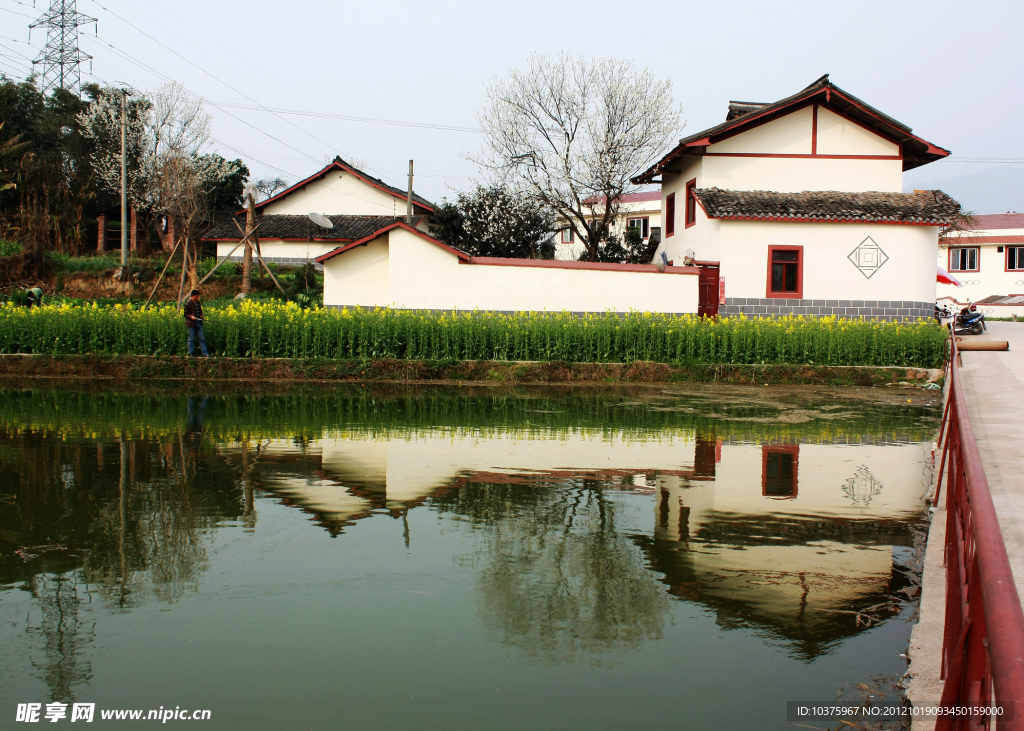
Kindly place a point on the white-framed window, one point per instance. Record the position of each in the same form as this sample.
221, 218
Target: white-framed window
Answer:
567, 236
644, 224
1014, 258
963, 259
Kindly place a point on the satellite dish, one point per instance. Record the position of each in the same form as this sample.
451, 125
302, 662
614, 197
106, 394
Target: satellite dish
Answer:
321, 220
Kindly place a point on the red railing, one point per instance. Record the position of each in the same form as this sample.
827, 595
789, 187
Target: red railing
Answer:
983, 639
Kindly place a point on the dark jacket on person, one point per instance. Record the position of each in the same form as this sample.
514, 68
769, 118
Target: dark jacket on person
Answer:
193, 308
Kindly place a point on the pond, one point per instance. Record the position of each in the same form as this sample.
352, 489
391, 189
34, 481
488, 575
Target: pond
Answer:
386, 557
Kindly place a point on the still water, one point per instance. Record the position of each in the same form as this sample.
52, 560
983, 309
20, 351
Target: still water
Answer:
432, 558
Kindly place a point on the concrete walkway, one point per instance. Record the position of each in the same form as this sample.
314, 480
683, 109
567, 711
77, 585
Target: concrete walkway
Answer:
993, 385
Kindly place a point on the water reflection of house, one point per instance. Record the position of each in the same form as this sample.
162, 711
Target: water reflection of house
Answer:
796, 549
341, 480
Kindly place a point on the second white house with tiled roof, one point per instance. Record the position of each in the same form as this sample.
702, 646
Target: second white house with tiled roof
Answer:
796, 207
987, 259
356, 203
640, 211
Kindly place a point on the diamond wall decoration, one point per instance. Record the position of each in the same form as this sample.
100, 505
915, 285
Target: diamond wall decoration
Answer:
868, 257
862, 487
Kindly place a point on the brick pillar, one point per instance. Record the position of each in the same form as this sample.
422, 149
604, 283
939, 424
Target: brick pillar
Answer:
101, 237
169, 236
134, 230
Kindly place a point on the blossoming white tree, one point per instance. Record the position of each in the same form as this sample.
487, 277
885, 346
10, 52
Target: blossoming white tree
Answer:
571, 132
167, 138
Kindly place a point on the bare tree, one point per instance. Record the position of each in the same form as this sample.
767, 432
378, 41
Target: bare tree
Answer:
570, 132
179, 189
168, 134
266, 188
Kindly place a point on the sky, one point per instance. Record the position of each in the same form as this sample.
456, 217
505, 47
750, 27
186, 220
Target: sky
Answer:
949, 70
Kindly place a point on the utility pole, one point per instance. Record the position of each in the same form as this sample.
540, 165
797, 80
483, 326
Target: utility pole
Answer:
250, 225
408, 204
124, 178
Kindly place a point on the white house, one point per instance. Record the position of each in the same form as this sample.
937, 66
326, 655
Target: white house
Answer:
641, 211
988, 261
798, 206
357, 204
400, 266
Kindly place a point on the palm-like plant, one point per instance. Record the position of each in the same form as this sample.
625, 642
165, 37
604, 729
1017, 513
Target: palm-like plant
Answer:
9, 148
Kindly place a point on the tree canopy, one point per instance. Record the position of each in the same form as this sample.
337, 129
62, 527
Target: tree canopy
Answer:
493, 221
570, 133
60, 159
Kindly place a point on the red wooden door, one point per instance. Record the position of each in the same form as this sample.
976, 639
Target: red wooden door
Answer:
707, 286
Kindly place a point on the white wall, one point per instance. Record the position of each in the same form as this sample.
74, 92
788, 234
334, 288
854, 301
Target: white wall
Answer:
362, 280
956, 302
422, 275
338, 193
789, 135
702, 237
794, 175
838, 136
277, 249
909, 273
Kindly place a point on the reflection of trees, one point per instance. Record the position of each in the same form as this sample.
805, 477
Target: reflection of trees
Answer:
128, 519
559, 579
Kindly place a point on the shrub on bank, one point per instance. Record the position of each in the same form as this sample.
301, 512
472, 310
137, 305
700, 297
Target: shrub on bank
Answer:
272, 330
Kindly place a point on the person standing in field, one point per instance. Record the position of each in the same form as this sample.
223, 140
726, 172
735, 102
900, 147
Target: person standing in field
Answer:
194, 321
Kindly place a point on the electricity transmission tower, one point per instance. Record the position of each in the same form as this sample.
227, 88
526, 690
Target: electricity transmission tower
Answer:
61, 57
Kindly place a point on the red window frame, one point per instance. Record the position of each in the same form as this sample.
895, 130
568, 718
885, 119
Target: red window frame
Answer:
572, 236
771, 491
670, 215
691, 203
799, 293
1006, 258
949, 259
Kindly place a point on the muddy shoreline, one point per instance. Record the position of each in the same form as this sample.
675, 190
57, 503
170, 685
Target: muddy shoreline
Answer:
278, 370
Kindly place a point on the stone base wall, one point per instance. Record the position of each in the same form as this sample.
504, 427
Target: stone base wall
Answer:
283, 260
886, 310
496, 312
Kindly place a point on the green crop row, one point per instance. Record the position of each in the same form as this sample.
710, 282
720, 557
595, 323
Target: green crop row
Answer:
272, 330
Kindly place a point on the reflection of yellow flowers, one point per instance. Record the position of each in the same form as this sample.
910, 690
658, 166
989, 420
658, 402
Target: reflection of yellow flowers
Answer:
272, 329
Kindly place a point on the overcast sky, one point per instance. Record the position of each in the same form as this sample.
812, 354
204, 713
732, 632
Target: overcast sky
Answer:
950, 70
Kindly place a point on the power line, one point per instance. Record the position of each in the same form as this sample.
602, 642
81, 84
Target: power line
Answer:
212, 76
146, 67
347, 118
989, 160
18, 69
322, 142
24, 15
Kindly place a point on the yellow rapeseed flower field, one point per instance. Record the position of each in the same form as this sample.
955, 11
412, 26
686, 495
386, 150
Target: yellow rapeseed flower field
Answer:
254, 329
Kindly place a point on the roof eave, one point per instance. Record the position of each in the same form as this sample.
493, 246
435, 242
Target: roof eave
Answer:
898, 130
320, 173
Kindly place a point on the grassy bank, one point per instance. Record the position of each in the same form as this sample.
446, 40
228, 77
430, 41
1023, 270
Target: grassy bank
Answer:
257, 330
250, 370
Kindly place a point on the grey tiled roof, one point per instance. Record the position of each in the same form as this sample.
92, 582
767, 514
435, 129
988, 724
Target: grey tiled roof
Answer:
346, 228
929, 207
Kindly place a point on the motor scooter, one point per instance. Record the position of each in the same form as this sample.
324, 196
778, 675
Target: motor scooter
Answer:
944, 316
970, 321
